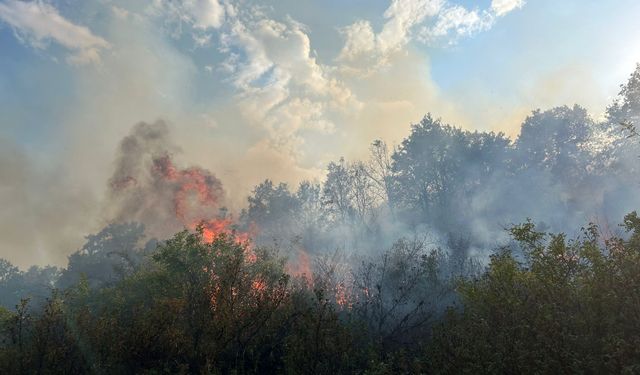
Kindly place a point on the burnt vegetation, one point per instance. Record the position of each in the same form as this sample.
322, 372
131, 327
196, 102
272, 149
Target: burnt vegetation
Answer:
411, 261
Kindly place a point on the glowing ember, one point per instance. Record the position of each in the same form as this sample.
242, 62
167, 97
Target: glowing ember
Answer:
343, 299
258, 286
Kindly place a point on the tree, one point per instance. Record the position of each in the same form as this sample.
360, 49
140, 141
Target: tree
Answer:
337, 192
310, 217
558, 140
566, 307
623, 116
380, 171
626, 107
36, 284
107, 256
274, 210
439, 169
400, 294
195, 307
363, 196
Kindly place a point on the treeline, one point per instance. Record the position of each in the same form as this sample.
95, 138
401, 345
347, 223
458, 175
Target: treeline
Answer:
190, 306
564, 169
565, 306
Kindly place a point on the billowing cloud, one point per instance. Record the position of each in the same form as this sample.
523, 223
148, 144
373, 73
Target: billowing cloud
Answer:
401, 17
365, 50
199, 17
206, 13
362, 44
502, 7
36, 23
280, 84
458, 21
359, 39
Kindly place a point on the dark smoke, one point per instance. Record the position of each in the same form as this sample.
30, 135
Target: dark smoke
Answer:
148, 187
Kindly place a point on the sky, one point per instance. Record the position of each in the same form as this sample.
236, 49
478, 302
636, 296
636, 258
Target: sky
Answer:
270, 89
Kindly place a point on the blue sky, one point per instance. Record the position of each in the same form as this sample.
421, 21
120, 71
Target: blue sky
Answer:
276, 89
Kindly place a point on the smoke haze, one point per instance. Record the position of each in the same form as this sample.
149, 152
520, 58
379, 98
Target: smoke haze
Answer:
252, 92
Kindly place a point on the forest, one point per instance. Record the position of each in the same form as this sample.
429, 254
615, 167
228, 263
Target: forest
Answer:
452, 252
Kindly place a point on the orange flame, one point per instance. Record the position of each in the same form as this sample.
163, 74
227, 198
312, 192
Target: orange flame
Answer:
213, 228
343, 298
196, 199
193, 198
206, 187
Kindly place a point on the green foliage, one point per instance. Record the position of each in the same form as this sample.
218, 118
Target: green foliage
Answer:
320, 342
626, 107
566, 306
570, 308
106, 257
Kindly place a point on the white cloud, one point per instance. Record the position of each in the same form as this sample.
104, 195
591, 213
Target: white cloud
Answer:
280, 85
365, 51
37, 23
201, 40
202, 15
401, 17
457, 21
359, 38
205, 13
502, 7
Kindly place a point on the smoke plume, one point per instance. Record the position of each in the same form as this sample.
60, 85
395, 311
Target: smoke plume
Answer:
148, 187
